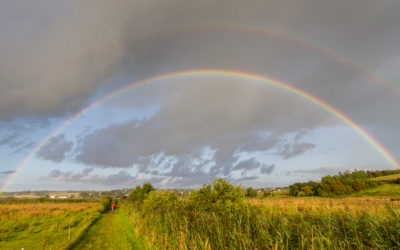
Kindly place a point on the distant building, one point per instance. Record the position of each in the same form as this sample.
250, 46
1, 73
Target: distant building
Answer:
62, 195
25, 196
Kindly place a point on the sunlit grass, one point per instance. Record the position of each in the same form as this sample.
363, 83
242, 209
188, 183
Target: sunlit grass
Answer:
230, 222
383, 190
45, 225
387, 177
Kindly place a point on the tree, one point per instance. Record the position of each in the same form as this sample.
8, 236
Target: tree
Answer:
301, 194
266, 194
147, 188
105, 202
327, 179
140, 193
294, 189
307, 190
218, 195
338, 188
358, 186
250, 192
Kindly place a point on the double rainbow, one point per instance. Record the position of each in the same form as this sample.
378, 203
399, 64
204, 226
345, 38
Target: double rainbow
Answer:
212, 72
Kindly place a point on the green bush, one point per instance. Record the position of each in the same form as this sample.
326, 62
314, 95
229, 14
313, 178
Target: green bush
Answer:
140, 193
218, 217
220, 195
337, 185
251, 192
105, 203
266, 194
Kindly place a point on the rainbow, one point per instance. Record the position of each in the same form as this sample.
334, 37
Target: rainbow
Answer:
334, 55
295, 39
211, 72
263, 31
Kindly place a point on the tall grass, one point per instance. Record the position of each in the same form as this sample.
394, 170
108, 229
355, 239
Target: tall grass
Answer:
220, 218
44, 225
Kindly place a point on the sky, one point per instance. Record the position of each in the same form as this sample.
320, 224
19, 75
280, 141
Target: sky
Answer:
94, 94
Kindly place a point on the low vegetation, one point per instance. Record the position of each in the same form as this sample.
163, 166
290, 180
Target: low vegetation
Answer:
341, 184
359, 210
43, 224
217, 216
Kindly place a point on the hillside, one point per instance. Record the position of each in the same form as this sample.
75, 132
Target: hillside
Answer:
387, 178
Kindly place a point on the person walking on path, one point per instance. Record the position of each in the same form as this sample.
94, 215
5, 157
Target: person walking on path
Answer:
113, 206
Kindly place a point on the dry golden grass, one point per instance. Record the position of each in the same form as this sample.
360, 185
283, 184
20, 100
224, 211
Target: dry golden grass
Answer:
36, 225
371, 204
40, 209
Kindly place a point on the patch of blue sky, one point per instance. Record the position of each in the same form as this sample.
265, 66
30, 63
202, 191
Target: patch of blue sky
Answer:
339, 146
99, 117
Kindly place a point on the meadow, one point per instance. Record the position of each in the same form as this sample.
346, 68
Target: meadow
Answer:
44, 225
387, 178
218, 216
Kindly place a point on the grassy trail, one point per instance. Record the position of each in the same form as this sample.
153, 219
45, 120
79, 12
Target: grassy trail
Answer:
109, 232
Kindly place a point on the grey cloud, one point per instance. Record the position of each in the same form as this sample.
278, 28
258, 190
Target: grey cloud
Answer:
55, 173
124, 179
290, 150
58, 55
17, 142
55, 55
27, 146
56, 149
8, 172
8, 139
120, 178
236, 116
246, 165
267, 169
244, 179
253, 164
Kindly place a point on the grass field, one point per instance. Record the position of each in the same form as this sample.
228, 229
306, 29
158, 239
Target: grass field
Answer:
44, 225
387, 178
110, 232
218, 217
382, 190
289, 223
373, 204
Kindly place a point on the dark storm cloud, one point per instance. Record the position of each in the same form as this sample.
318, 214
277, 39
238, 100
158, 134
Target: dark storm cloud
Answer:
56, 149
57, 54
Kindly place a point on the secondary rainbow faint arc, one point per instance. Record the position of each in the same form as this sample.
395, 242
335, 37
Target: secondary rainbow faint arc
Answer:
265, 31
212, 72
337, 56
